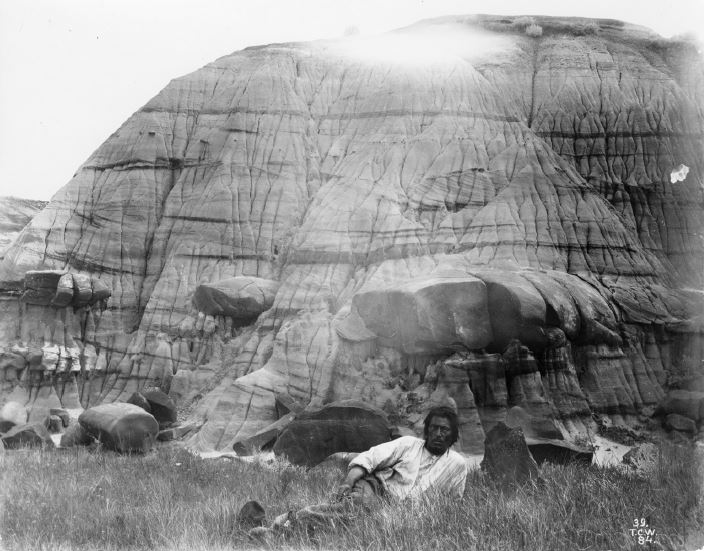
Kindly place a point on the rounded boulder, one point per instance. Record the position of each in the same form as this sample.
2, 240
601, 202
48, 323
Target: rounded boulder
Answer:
427, 315
28, 436
12, 414
241, 298
345, 426
121, 427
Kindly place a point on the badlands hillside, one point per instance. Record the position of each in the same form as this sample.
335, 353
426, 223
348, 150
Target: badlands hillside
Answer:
15, 214
485, 211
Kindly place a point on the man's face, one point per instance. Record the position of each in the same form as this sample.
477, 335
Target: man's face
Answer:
439, 437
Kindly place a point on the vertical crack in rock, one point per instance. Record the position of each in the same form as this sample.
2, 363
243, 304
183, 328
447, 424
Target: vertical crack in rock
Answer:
531, 110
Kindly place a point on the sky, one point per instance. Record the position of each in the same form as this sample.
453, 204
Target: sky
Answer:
72, 71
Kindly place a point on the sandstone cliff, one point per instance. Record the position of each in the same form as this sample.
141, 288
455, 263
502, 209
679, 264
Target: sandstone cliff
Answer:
454, 212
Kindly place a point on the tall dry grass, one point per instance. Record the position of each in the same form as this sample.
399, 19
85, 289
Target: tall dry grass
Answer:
170, 499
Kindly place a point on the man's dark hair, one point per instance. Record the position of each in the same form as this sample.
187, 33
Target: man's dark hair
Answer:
447, 413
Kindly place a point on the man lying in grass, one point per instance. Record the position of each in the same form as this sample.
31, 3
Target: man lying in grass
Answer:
402, 468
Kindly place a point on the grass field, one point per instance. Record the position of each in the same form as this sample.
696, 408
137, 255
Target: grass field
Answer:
170, 499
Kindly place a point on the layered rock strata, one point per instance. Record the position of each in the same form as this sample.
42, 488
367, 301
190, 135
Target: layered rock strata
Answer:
15, 214
454, 212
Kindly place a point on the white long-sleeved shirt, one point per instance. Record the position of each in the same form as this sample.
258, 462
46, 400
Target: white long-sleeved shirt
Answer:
407, 469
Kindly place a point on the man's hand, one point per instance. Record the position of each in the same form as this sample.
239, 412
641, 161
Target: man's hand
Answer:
342, 491
353, 475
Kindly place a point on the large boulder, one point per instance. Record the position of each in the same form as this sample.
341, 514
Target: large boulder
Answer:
517, 309
29, 435
82, 290
59, 289
427, 314
350, 326
681, 423
340, 426
241, 298
561, 309
62, 414
75, 435
121, 427
597, 320
101, 291
161, 407
683, 402
64, 291
54, 424
12, 414
507, 458
138, 399
40, 286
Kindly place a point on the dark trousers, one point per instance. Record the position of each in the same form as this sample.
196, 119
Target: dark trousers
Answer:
367, 494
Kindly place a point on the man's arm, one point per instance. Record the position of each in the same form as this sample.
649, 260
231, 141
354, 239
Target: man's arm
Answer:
459, 479
383, 455
376, 457
353, 475
460, 484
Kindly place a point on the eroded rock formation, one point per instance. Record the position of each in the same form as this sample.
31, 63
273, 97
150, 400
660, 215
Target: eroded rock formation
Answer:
15, 214
487, 221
